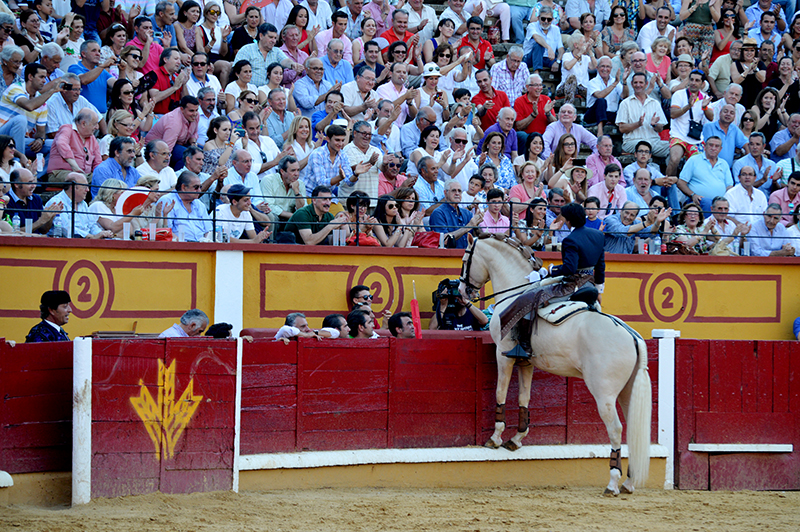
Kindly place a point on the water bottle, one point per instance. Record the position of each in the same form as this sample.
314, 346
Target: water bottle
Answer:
15, 223
58, 228
219, 234
655, 245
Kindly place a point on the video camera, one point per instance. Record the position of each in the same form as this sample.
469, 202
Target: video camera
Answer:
447, 288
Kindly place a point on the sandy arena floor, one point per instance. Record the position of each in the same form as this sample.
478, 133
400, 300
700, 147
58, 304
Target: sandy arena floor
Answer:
467, 510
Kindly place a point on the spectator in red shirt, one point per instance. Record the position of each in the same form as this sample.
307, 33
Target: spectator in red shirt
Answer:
399, 32
489, 100
166, 93
534, 110
484, 55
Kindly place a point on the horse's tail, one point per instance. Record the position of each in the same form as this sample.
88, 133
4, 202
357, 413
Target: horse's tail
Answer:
639, 419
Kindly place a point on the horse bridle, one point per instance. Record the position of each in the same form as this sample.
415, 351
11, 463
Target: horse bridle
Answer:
466, 266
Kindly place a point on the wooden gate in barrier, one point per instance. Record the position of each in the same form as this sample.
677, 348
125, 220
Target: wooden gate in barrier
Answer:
387, 393
737, 415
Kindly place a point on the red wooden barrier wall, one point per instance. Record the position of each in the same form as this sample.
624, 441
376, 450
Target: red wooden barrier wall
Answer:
180, 438
737, 392
35, 407
360, 394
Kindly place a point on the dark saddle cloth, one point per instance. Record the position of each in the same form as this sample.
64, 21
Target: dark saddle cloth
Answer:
539, 296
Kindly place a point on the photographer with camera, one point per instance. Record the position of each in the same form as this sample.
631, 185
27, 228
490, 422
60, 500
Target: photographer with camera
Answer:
453, 312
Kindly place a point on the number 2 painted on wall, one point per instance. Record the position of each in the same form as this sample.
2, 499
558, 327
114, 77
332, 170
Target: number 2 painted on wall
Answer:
86, 284
669, 293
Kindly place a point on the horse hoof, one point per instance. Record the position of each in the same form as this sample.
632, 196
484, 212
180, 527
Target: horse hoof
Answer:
608, 493
624, 489
491, 444
511, 445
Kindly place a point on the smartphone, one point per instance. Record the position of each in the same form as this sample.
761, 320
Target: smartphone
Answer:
67, 86
579, 162
240, 131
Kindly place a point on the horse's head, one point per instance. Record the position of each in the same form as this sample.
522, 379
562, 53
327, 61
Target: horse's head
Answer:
474, 273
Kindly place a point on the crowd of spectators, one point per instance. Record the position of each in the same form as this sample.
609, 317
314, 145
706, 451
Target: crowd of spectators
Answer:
356, 123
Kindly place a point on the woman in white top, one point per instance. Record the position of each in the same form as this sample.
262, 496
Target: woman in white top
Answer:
464, 74
300, 140
369, 30
8, 162
429, 144
113, 44
104, 206
243, 73
274, 79
211, 37
575, 68
431, 96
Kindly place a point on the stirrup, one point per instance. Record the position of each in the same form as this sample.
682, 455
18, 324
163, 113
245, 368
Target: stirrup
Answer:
517, 352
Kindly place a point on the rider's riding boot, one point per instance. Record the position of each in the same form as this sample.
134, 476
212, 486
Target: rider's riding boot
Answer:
523, 348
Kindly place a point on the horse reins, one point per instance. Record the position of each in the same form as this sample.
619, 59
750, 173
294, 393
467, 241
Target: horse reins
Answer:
466, 266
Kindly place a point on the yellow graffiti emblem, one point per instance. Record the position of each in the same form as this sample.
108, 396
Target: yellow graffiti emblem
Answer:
166, 418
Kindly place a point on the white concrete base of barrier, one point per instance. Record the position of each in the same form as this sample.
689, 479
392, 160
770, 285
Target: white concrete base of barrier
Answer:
5, 480
255, 462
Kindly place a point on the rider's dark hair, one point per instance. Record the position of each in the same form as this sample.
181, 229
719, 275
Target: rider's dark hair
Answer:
574, 214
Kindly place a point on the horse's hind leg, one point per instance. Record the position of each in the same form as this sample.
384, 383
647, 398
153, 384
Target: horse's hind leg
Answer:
624, 401
525, 379
607, 408
505, 368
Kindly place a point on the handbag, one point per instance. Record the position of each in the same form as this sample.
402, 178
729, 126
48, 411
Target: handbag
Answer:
162, 235
427, 239
679, 248
363, 240
695, 128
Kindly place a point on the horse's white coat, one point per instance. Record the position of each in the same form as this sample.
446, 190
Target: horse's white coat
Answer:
590, 346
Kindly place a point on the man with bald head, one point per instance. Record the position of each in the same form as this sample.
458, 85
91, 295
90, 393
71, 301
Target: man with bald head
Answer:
410, 133
622, 228
504, 126
731, 96
73, 197
746, 202
566, 124
726, 129
240, 172
310, 90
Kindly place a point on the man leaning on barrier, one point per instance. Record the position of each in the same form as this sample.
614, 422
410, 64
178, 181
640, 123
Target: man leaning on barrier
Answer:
193, 323
27, 205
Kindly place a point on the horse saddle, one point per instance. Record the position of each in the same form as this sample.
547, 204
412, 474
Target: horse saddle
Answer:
543, 295
558, 313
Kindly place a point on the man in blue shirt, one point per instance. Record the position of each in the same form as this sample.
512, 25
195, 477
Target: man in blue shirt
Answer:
310, 90
705, 175
162, 24
188, 216
94, 75
336, 69
453, 219
429, 189
119, 165
724, 128
621, 229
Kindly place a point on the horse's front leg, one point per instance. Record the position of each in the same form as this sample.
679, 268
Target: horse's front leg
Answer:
505, 368
525, 380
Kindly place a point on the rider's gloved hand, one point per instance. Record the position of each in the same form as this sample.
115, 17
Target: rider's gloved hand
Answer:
543, 272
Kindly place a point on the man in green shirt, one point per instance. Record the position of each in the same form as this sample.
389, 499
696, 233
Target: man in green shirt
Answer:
313, 223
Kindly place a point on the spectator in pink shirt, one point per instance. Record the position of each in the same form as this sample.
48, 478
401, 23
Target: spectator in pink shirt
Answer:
143, 40
611, 194
597, 162
178, 129
322, 39
787, 198
493, 220
75, 148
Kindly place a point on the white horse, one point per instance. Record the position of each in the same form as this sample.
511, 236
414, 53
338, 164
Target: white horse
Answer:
609, 356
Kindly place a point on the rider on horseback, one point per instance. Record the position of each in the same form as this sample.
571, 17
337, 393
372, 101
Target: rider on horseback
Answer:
583, 261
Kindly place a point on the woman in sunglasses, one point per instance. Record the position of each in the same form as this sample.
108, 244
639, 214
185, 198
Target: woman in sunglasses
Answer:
243, 72
213, 40
443, 58
8, 157
398, 53
185, 27
748, 124
122, 99
131, 60
248, 102
390, 230
113, 43
431, 96
617, 31
121, 124
727, 32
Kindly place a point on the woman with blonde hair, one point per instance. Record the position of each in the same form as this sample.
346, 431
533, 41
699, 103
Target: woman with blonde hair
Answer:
299, 138
104, 206
529, 187
120, 124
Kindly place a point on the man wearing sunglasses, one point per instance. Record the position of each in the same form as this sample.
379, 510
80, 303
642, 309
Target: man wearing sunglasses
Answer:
200, 77
543, 47
310, 90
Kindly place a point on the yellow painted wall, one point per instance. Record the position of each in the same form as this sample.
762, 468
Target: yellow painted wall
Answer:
114, 284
